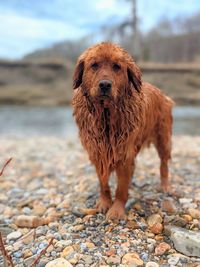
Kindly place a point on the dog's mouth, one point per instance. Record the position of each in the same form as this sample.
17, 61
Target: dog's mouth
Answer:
104, 100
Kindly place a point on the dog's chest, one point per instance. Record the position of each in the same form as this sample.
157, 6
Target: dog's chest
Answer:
106, 140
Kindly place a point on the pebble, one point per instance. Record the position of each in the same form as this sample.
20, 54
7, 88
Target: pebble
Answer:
78, 227
27, 253
173, 260
162, 248
132, 258
88, 259
154, 219
185, 200
14, 235
17, 254
169, 206
88, 211
26, 210
157, 228
60, 262
151, 264
115, 259
187, 217
39, 209
63, 243
29, 261
194, 213
67, 251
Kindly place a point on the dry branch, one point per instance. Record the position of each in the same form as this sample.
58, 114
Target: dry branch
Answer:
5, 254
7, 162
42, 253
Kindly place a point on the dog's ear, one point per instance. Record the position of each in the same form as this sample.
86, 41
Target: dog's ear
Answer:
78, 74
134, 76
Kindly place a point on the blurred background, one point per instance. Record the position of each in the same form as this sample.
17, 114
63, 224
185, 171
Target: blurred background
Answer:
41, 40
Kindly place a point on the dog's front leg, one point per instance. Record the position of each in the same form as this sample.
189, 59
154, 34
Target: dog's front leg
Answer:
105, 200
124, 173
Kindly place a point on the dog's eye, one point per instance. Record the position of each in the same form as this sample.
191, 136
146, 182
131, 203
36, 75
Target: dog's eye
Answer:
116, 67
94, 66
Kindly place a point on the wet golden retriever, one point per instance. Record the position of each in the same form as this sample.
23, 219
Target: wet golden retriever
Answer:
117, 114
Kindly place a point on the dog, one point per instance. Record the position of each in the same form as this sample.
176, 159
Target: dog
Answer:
117, 114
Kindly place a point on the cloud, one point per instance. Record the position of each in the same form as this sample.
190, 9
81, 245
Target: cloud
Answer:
29, 25
34, 24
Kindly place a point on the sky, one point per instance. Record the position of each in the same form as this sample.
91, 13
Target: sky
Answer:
27, 25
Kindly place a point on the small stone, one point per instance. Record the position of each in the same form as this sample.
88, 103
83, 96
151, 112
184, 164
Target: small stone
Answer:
173, 260
159, 238
179, 221
50, 248
39, 209
144, 256
90, 245
75, 258
57, 236
110, 252
151, 264
53, 253
14, 235
162, 248
27, 253
132, 225
169, 206
187, 217
63, 243
42, 262
157, 228
17, 254
195, 213
185, 200
54, 226
78, 227
60, 262
88, 211
28, 238
30, 260
132, 258
64, 204
115, 259
67, 251
8, 212
87, 259
153, 219
185, 241
26, 210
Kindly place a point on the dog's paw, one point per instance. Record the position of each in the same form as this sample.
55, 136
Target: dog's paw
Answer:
165, 188
116, 212
103, 205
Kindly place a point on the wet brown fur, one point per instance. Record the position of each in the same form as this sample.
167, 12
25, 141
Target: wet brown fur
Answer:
113, 130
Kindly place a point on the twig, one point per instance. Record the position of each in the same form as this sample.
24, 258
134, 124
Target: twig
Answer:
7, 162
4, 252
42, 253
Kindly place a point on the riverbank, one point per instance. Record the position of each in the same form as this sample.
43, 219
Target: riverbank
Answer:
51, 178
50, 84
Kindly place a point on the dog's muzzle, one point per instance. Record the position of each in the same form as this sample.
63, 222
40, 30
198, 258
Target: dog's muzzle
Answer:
105, 87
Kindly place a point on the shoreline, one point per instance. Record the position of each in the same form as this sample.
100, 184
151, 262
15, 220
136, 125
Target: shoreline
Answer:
52, 178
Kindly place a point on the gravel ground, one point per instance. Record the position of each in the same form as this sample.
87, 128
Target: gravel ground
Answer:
52, 180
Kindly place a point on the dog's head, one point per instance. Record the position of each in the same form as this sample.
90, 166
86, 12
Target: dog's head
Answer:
106, 73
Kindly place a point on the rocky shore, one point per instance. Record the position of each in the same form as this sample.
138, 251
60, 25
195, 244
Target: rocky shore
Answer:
47, 214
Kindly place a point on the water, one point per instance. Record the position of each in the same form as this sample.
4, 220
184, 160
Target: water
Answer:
20, 121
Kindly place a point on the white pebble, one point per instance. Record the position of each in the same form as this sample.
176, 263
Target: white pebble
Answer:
14, 235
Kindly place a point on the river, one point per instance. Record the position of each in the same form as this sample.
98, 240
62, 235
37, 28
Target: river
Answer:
21, 121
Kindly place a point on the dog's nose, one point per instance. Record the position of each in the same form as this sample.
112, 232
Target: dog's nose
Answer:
105, 86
